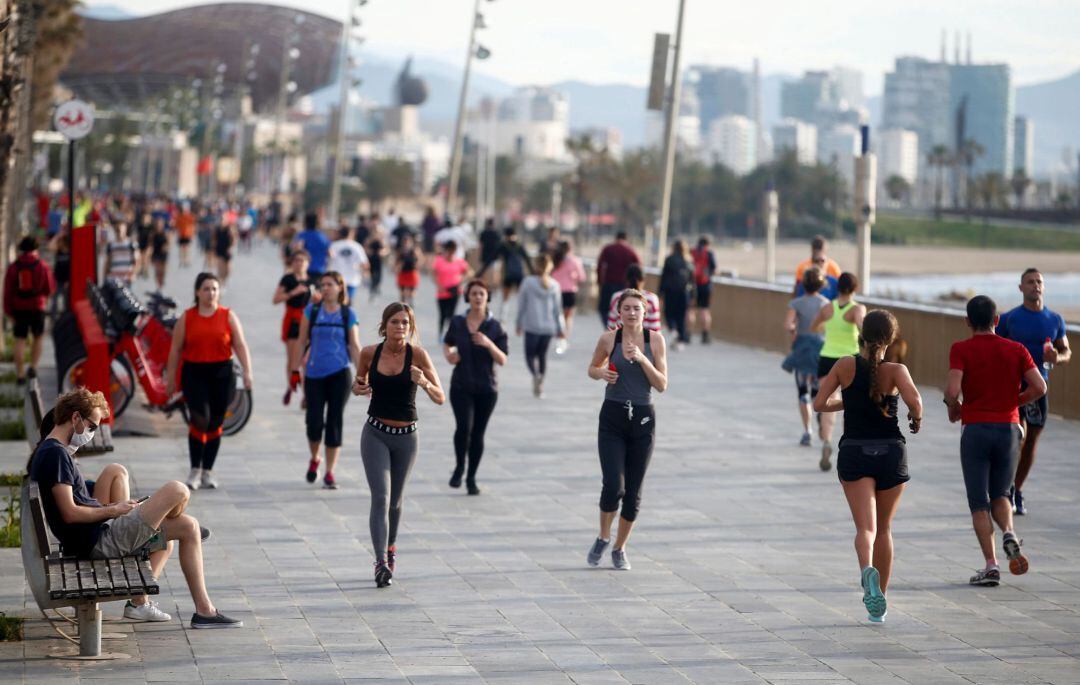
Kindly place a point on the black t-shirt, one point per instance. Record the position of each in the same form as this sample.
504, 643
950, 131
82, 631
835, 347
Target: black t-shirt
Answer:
475, 372
53, 465
399, 233
290, 281
160, 246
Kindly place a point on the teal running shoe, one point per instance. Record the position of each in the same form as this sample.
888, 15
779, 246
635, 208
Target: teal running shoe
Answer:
873, 598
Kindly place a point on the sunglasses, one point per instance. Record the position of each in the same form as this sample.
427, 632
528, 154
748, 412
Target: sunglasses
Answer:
93, 426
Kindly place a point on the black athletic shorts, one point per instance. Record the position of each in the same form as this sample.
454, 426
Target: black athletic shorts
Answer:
26, 323
703, 295
884, 460
824, 366
1034, 413
512, 282
569, 300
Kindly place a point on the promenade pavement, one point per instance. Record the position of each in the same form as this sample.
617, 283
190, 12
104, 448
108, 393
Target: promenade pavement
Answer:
743, 566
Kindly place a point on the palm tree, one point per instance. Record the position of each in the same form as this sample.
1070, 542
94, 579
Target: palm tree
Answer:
966, 154
1020, 182
897, 187
938, 158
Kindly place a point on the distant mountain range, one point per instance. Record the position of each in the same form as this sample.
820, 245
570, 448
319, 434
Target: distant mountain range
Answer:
1052, 105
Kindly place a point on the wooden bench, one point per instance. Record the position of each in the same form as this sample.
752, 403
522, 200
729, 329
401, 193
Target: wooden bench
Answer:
64, 581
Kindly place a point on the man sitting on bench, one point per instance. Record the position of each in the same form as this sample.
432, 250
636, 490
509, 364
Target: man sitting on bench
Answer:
86, 529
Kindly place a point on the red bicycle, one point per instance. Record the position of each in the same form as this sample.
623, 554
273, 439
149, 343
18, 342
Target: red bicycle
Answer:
140, 338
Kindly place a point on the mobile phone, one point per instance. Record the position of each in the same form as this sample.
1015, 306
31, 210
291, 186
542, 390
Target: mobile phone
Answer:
142, 499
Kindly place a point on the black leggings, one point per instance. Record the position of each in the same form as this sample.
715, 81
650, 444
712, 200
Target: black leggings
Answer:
676, 303
208, 389
626, 440
536, 349
471, 412
326, 397
447, 305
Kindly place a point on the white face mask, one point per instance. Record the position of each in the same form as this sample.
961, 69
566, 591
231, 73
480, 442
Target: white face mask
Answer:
80, 439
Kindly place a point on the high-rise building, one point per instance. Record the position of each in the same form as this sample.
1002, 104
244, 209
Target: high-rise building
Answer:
898, 155
981, 99
838, 147
532, 123
848, 86
720, 91
916, 99
1024, 146
802, 98
799, 136
732, 141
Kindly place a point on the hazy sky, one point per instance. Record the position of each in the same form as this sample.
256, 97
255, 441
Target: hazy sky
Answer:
543, 41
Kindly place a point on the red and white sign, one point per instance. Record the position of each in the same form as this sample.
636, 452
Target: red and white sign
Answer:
74, 119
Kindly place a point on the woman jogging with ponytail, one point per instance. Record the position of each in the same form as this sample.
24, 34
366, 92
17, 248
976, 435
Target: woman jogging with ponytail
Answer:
632, 361
872, 460
474, 344
330, 328
205, 338
389, 374
540, 318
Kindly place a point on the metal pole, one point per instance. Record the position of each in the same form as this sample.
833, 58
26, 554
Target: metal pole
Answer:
492, 158
670, 130
865, 200
343, 107
772, 219
455, 151
71, 186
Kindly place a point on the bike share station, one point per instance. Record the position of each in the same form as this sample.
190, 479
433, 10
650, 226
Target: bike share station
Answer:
106, 341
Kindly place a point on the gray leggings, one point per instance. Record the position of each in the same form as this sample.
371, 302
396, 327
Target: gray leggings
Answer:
387, 462
989, 453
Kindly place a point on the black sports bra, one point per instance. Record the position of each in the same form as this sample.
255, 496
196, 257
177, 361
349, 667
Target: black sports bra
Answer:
392, 397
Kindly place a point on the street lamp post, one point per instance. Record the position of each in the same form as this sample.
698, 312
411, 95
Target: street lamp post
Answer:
865, 201
455, 151
670, 137
345, 75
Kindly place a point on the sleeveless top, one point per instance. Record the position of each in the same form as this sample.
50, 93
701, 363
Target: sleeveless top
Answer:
207, 339
408, 261
633, 386
392, 397
863, 419
841, 337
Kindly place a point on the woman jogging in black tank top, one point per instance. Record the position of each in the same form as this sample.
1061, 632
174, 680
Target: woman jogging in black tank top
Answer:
872, 460
633, 361
389, 374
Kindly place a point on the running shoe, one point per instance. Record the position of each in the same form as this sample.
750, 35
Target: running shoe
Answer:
328, 481
218, 620
619, 560
194, 479
312, 470
391, 558
472, 487
149, 612
873, 599
704, 338
455, 478
986, 577
805, 440
1019, 508
561, 346
384, 577
1018, 563
597, 552
208, 480
538, 386
826, 452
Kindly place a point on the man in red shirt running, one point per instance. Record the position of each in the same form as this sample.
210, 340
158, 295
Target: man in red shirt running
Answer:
987, 370
611, 271
28, 284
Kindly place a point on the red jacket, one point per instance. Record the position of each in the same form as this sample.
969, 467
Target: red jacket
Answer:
28, 284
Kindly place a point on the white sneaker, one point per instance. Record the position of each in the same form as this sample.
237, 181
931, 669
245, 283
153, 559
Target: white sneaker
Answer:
208, 480
148, 612
194, 479
561, 346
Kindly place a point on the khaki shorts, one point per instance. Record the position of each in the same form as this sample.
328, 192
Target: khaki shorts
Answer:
126, 535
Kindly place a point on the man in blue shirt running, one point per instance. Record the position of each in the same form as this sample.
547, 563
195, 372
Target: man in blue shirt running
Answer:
1032, 325
317, 245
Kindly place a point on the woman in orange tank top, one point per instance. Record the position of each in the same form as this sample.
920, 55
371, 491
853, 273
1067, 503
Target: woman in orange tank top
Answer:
205, 339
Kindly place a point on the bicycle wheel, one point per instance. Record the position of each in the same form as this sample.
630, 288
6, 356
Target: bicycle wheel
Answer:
239, 410
121, 381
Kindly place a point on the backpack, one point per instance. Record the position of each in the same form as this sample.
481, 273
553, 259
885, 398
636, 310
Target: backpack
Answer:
26, 279
314, 321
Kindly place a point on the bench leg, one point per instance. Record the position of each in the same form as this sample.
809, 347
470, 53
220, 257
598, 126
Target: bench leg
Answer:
89, 629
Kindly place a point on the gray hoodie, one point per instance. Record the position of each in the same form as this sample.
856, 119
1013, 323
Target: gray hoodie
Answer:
540, 310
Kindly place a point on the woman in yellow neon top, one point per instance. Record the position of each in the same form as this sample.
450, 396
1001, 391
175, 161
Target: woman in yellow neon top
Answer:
841, 320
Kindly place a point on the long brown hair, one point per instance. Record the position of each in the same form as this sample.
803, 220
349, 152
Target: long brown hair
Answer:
543, 269
879, 330
388, 313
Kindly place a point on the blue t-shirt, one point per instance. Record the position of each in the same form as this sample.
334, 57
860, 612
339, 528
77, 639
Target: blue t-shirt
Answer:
1031, 329
329, 346
53, 465
831, 289
318, 246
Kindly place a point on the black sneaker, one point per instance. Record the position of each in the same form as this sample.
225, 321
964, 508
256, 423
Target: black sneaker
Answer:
455, 478
987, 577
597, 552
383, 575
31, 372
473, 488
218, 620
1019, 508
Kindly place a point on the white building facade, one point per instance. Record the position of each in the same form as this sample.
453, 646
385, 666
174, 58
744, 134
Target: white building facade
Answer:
799, 136
732, 141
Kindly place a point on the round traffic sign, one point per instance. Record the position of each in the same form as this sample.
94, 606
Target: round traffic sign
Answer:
74, 119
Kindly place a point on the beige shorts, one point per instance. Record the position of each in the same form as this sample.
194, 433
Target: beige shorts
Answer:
126, 535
